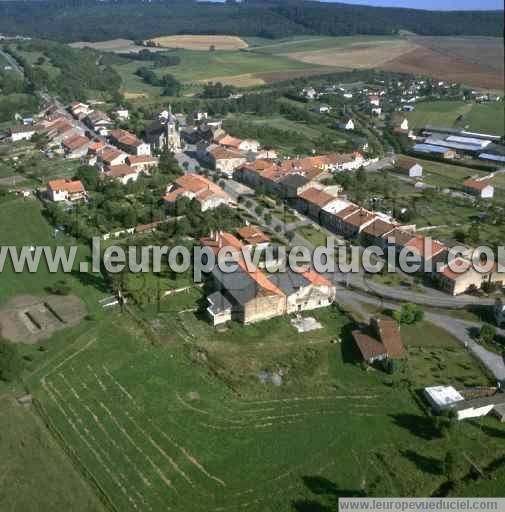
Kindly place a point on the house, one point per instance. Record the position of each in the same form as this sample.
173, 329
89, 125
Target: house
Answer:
249, 295
352, 225
346, 124
224, 160
123, 173
142, 162
247, 145
129, 142
199, 116
121, 113
309, 93
442, 398
65, 190
253, 236
59, 129
99, 122
22, 132
379, 341
460, 276
376, 111
409, 166
480, 188
428, 250
322, 109
374, 100
78, 109
110, 157
193, 186
292, 185
328, 215
76, 146
312, 201
345, 161
375, 233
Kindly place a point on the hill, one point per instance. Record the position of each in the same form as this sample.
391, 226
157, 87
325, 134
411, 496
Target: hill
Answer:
92, 20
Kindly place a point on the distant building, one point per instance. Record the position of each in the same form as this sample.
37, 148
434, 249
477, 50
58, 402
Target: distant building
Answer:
76, 146
129, 142
123, 173
346, 124
253, 236
446, 153
121, 113
223, 159
164, 133
22, 132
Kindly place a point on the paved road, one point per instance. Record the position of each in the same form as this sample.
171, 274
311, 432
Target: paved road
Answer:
12, 62
460, 329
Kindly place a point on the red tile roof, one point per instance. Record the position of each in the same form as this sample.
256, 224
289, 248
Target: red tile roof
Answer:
253, 235
316, 196
72, 187
476, 184
418, 244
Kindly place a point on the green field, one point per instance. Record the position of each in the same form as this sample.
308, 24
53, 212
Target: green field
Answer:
186, 423
486, 117
200, 66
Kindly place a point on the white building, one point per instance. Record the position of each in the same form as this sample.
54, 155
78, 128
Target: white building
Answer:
309, 93
122, 113
22, 132
347, 124
481, 188
65, 190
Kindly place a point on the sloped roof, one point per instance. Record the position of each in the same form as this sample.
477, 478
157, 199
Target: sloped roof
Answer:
316, 196
369, 347
378, 228
389, 335
253, 235
75, 142
72, 187
477, 184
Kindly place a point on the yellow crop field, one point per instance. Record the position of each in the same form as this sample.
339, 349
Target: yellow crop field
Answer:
201, 42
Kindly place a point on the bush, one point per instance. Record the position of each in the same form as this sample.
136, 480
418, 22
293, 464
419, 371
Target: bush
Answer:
11, 363
409, 314
487, 333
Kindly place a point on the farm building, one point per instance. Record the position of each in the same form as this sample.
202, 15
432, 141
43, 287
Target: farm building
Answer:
380, 340
443, 398
481, 188
442, 151
410, 167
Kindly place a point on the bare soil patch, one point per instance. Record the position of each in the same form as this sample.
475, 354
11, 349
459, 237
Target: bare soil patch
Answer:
201, 42
28, 319
279, 76
245, 80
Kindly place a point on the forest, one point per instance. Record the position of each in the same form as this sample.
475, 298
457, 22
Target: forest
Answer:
93, 20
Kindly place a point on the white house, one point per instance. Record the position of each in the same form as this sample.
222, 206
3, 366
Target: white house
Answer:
347, 124
410, 167
65, 190
309, 93
121, 113
22, 132
374, 100
123, 173
377, 111
322, 109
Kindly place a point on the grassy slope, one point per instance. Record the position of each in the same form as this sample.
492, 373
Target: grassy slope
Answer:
35, 474
488, 118
197, 65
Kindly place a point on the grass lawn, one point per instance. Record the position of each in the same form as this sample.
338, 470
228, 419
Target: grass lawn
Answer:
33, 56
192, 427
27, 227
487, 118
313, 235
36, 474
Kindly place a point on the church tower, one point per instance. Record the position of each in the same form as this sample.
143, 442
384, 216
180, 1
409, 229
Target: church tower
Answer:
172, 135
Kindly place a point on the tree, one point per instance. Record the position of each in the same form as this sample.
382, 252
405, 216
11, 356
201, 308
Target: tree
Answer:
61, 287
451, 466
487, 333
171, 86
408, 314
89, 176
11, 364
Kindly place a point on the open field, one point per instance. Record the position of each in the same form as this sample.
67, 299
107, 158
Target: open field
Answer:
236, 68
193, 428
484, 117
356, 55
35, 473
470, 61
199, 42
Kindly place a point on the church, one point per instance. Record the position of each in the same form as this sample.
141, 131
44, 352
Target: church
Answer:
163, 133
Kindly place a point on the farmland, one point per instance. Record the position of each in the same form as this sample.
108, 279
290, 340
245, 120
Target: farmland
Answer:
199, 42
476, 62
487, 118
